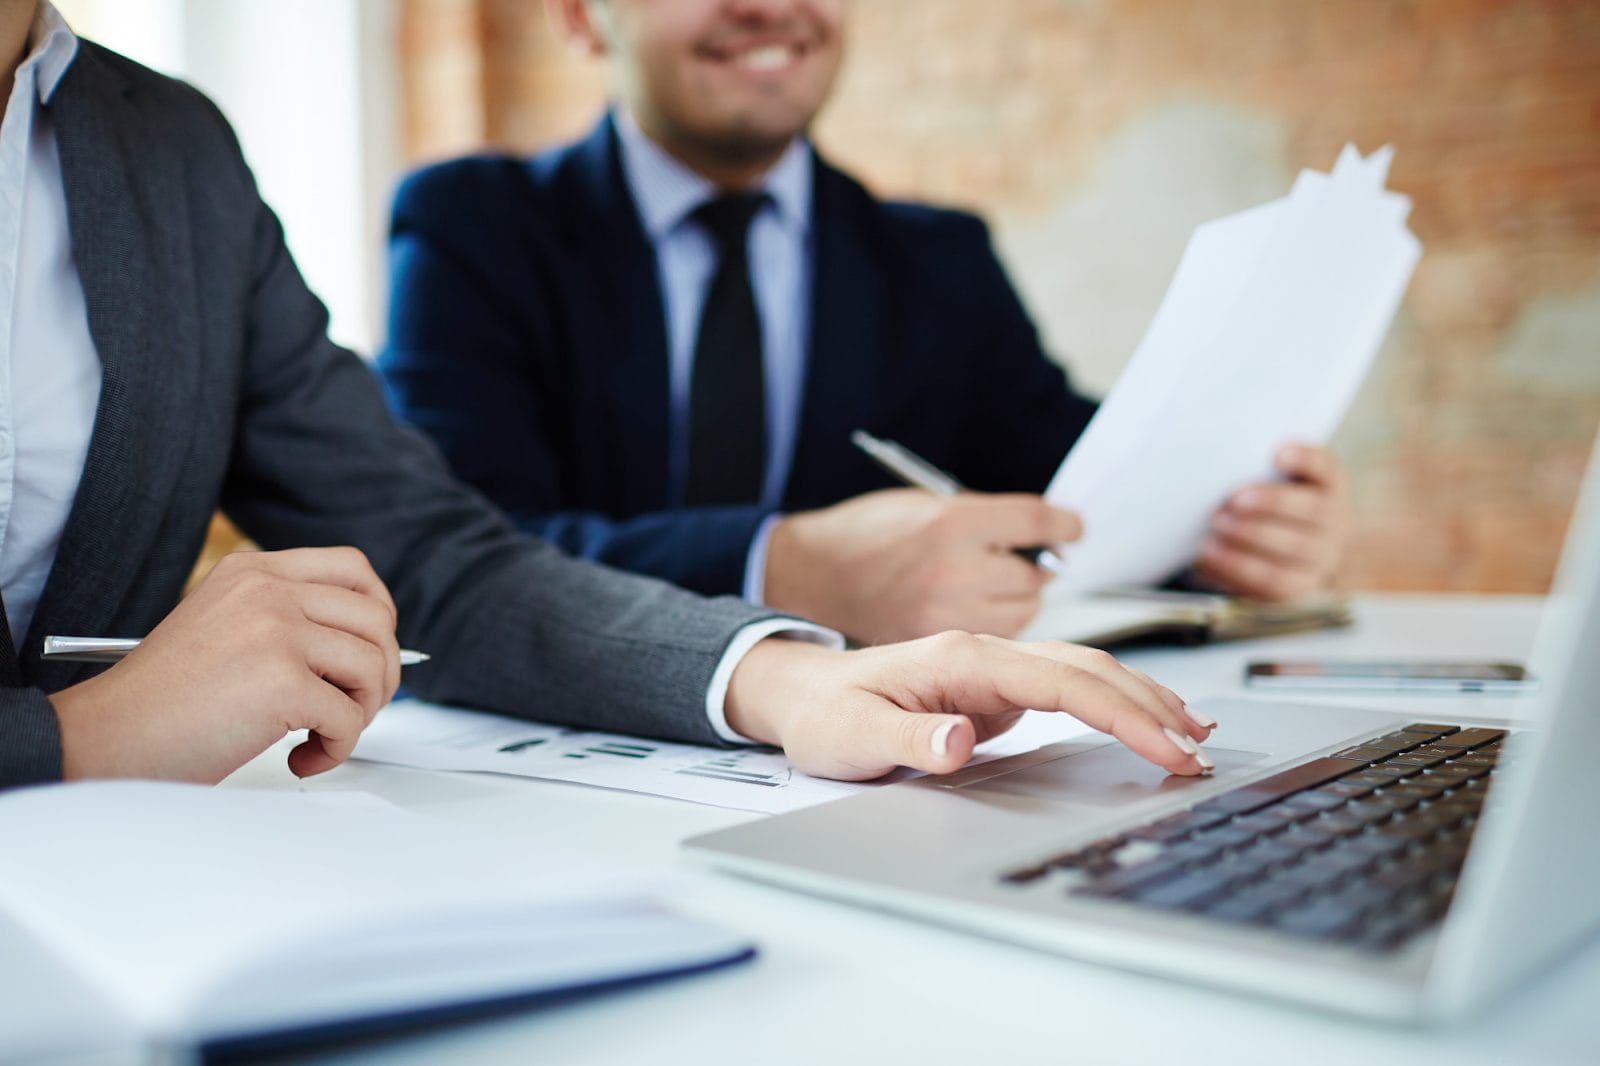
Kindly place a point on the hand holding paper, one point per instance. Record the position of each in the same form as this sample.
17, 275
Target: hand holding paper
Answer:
1263, 338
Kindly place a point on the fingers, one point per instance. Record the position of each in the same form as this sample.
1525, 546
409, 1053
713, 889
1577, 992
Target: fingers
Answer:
1288, 543
356, 667
1311, 464
342, 567
975, 675
1169, 710
360, 616
335, 721
1256, 576
1303, 505
1010, 520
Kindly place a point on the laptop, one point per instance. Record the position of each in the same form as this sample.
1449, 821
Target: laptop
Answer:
1359, 861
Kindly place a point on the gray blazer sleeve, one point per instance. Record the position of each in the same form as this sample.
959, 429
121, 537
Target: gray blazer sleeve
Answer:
513, 624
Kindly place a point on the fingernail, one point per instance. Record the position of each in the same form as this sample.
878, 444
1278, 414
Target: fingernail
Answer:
1184, 744
941, 738
1199, 719
1203, 759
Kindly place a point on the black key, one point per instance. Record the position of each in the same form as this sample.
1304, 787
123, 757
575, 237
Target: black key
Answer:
1193, 851
1130, 879
1433, 729
1350, 788
1415, 758
1024, 875
1338, 824
1270, 853
1393, 799
1316, 800
1176, 826
1311, 875
1184, 893
1301, 838
1363, 753
1369, 810
1346, 861
1419, 788
1471, 738
1477, 758
1227, 836
1257, 795
1246, 907
1393, 773
1378, 845
1323, 919
1411, 830
1263, 823
1456, 772
1364, 780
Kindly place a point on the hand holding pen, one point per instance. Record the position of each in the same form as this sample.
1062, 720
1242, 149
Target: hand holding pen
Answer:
902, 563
917, 471
268, 643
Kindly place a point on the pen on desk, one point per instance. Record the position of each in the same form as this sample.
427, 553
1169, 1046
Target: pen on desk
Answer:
110, 649
913, 469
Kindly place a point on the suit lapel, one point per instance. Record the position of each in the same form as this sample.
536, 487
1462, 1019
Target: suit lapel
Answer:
619, 264
852, 344
131, 243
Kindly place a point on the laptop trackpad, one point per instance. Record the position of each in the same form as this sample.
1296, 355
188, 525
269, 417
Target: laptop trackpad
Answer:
1110, 775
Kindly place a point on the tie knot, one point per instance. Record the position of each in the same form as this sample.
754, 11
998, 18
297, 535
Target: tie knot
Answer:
727, 218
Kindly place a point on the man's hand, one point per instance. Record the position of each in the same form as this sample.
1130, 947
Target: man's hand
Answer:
1281, 540
859, 714
905, 563
268, 643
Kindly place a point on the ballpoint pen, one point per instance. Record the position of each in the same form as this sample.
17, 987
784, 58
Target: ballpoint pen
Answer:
913, 469
110, 649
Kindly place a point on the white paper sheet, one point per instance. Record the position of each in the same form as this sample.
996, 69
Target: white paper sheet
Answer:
1267, 330
427, 735
435, 737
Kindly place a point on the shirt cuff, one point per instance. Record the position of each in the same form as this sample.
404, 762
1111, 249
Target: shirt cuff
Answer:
743, 641
755, 563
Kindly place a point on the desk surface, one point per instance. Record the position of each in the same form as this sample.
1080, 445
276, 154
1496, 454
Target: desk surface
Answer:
837, 983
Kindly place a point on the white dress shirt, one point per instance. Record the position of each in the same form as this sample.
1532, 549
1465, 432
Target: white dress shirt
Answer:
49, 370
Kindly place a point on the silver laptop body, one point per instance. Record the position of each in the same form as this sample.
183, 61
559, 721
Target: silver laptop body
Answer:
940, 848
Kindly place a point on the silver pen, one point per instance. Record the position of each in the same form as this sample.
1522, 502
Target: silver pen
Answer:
110, 649
913, 469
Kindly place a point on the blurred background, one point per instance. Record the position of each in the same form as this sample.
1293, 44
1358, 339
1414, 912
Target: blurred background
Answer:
1094, 135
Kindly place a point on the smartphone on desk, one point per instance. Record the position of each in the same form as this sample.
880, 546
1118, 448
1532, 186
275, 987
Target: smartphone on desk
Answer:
1392, 676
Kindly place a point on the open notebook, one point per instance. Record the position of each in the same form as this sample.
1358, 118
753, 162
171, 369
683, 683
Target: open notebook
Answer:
1111, 619
224, 919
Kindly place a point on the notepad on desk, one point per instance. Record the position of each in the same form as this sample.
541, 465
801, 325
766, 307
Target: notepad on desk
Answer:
1113, 619
224, 919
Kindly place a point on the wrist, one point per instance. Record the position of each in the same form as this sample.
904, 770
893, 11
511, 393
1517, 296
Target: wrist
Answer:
783, 584
769, 683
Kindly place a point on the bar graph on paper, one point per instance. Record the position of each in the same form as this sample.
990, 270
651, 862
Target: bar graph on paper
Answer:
434, 737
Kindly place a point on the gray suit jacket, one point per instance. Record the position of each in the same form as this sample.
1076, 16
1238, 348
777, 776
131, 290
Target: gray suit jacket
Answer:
221, 387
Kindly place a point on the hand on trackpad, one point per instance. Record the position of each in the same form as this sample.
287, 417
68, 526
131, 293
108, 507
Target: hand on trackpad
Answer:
1110, 775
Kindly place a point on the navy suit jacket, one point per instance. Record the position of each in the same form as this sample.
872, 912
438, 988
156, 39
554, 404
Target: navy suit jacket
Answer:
527, 337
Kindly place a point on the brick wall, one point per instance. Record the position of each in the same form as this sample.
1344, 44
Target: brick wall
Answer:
1095, 134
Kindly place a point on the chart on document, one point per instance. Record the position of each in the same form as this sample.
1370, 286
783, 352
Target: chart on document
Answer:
434, 737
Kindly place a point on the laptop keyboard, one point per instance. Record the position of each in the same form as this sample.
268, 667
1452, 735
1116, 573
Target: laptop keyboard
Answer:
1362, 847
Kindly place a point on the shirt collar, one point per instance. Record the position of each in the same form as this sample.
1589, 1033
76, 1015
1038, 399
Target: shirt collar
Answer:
54, 46
666, 191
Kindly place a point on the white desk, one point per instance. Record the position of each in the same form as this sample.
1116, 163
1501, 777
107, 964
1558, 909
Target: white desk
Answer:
839, 984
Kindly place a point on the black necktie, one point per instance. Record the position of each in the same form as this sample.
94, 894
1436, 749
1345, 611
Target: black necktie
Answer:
727, 396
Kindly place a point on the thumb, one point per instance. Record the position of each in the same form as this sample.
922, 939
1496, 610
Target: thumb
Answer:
934, 743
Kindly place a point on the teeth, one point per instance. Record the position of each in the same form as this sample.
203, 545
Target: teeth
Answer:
770, 57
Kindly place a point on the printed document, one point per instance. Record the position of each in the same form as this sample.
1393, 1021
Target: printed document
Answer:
1264, 336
